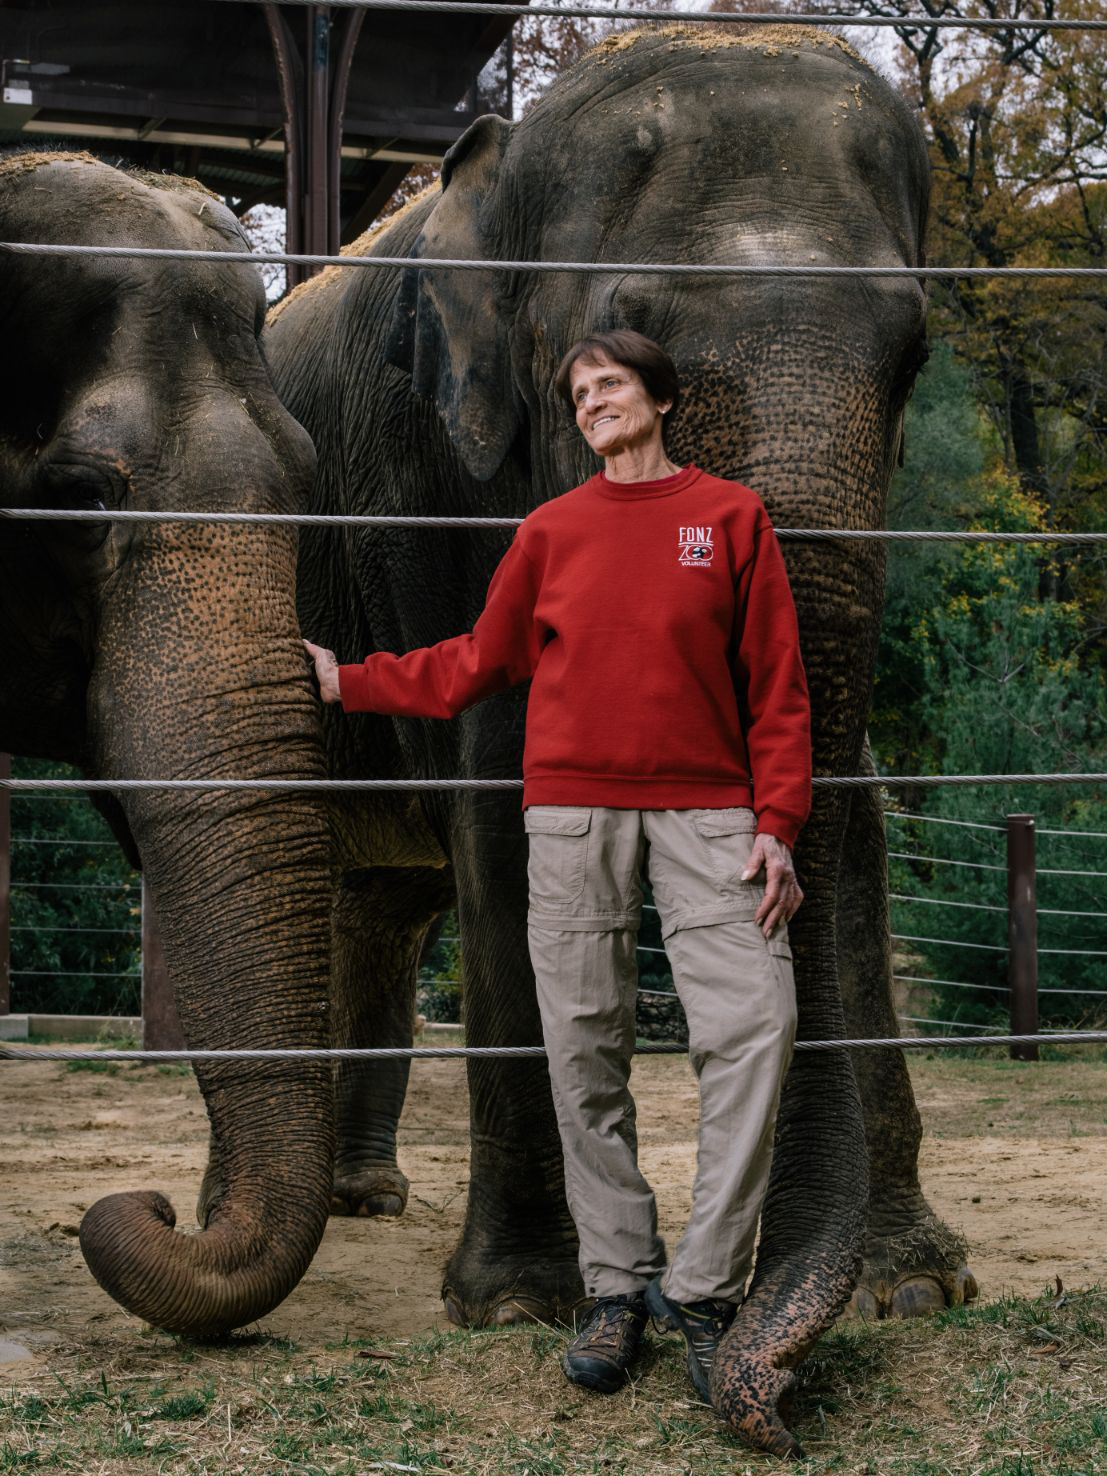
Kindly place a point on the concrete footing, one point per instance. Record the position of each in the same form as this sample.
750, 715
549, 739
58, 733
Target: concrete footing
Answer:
71, 1027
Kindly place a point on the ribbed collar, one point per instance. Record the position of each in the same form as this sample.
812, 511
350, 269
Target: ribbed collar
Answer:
632, 491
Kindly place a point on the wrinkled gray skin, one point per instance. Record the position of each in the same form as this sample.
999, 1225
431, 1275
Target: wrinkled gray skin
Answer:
173, 652
432, 393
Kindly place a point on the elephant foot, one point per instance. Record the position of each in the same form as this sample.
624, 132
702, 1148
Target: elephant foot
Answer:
505, 1290
370, 1193
913, 1274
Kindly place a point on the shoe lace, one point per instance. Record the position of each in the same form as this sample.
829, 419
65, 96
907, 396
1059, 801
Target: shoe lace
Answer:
603, 1327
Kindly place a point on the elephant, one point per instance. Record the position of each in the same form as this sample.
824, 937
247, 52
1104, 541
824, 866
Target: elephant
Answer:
430, 392
173, 651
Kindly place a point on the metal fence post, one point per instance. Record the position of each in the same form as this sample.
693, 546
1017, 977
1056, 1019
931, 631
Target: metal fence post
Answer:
161, 1028
5, 887
1022, 933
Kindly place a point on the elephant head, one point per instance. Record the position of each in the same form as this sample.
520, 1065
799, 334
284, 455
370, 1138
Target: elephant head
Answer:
170, 651
687, 144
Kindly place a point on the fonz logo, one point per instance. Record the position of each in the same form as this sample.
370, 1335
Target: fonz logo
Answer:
696, 547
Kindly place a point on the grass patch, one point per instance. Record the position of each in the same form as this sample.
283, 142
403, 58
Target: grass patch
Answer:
1012, 1388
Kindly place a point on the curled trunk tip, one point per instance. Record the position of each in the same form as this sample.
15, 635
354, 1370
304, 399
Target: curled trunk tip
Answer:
748, 1391
199, 1285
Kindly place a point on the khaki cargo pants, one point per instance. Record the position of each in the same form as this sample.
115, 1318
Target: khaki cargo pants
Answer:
736, 989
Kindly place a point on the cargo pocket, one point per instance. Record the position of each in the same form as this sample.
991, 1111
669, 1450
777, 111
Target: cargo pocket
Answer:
726, 838
558, 859
780, 953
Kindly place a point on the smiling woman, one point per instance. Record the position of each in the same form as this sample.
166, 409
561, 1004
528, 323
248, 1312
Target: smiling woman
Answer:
620, 386
704, 757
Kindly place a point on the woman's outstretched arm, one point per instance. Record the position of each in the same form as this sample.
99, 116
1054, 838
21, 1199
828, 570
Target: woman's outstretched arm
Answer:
442, 680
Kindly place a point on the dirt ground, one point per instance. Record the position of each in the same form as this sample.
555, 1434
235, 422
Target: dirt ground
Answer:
1015, 1156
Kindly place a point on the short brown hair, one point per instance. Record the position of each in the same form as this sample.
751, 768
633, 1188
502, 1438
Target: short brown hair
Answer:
633, 351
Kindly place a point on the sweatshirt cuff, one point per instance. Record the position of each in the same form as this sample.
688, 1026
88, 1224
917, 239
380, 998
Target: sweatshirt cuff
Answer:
353, 688
785, 828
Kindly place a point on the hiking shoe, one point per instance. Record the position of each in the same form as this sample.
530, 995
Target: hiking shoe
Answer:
601, 1353
703, 1325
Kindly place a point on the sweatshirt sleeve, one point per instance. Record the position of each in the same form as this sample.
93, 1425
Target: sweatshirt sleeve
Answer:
772, 689
440, 681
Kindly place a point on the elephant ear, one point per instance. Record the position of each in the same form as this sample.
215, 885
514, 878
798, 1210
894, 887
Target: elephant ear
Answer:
451, 329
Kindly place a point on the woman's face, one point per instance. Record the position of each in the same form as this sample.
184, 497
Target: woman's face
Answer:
614, 409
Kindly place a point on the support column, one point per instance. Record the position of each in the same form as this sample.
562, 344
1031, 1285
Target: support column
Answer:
314, 78
161, 1029
5, 887
1022, 933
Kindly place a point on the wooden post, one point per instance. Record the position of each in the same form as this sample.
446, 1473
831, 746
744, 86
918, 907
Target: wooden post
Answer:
5, 887
1022, 933
161, 1029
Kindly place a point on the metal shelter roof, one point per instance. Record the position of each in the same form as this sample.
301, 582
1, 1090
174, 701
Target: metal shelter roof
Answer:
194, 87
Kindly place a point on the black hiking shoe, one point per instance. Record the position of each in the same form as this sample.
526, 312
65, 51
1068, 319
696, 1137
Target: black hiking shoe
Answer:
600, 1355
703, 1325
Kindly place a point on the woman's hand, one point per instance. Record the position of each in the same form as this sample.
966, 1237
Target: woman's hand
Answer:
782, 892
326, 671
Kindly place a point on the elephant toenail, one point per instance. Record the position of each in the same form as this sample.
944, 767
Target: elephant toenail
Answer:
919, 1296
864, 1304
965, 1287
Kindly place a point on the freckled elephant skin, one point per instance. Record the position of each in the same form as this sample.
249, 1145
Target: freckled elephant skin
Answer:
173, 652
432, 393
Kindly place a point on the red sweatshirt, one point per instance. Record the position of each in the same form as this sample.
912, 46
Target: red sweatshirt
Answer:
656, 623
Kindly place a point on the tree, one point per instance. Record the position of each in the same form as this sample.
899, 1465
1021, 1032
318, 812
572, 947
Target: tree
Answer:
1003, 690
76, 906
1017, 123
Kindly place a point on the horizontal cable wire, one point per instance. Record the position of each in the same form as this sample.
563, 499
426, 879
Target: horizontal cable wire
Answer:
954, 943
941, 820
996, 948
1094, 834
947, 983
76, 886
375, 520
990, 866
561, 268
57, 840
945, 902
1066, 912
946, 861
636, 15
133, 932
644, 1048
69, 974
340, 786
1095, 993
960, 1024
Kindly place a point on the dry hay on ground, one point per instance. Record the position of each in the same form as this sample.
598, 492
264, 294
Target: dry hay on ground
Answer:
1016, 1156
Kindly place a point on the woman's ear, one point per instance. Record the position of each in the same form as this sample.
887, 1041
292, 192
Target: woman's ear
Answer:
451, 330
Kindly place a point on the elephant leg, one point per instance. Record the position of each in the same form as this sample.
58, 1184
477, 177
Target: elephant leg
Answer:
517, 1257
914, 1263
380, 922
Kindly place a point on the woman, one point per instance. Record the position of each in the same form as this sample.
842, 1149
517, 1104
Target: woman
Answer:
651, 609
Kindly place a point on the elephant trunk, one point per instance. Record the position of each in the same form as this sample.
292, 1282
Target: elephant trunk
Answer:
812, 1223
217, 687
813, 1219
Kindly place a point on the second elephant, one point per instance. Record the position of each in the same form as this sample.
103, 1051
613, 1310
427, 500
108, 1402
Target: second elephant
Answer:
432, 393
